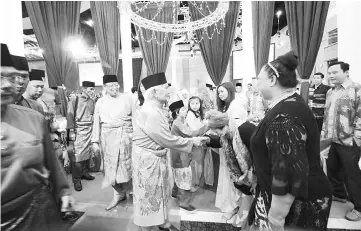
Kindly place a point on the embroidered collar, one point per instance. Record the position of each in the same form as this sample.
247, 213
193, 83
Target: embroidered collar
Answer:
275, 101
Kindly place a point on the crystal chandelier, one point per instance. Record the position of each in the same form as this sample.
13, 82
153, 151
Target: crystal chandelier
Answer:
218, 14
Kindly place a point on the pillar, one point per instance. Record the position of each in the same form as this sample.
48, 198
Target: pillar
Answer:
11, 24
127, 55
248, 66
348, 26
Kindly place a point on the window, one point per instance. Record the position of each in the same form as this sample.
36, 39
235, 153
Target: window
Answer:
332, 37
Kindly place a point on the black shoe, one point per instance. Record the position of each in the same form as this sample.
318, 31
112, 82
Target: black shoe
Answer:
188, 209
171, 228
88, 177
77, 186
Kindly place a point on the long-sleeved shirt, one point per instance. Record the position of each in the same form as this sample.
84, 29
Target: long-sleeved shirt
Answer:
30, 104
342, 120
27, 158
318, 100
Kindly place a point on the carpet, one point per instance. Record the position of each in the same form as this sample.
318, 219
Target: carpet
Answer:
67, 224
209, 226
100, 223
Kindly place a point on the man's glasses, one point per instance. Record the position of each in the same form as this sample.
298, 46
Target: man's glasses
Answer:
115, 85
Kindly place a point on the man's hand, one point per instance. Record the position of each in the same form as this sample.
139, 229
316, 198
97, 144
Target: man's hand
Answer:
95, 147
68, 203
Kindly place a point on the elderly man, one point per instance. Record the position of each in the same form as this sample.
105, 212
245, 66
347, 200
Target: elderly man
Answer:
22, 80
28, 163
80, 119
112, 130
151, 140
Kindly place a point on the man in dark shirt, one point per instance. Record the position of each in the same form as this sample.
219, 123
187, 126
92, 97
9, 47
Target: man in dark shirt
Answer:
317, 98
22, 80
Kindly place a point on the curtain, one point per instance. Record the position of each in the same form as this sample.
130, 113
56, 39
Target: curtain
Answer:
137, 69
262, 21
156, 56
306, 22
55, 23
217, 50
106, 20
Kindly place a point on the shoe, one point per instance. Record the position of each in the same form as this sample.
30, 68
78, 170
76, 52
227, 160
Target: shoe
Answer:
77, 186
171, 228
338, 199
88, 177
353, 215
188, 209
114, 203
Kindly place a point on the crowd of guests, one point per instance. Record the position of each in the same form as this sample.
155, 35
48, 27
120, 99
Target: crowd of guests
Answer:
260, 150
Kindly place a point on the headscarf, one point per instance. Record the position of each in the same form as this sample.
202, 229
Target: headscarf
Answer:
217, 119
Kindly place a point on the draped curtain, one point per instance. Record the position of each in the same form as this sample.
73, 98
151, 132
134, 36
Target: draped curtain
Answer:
55, 23
262, 20
137, 70
306, 23
106, 20
156, 56
217, 50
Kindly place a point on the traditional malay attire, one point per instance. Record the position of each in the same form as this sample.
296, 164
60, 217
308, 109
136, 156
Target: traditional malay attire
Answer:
21, 64
28, 165
112, 130
151, 173
181, 161
80, 118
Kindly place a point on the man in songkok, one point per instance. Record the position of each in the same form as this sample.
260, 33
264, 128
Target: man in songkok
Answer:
151, 162
22, 80
80, 120
112, 130
28, 163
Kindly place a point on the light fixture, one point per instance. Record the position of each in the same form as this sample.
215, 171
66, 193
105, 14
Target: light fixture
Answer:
75, 45
90, 22
279, 13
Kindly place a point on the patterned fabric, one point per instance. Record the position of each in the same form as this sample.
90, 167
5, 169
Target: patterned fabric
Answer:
183, 177
317, 100
116, 154
342, 120
257, 107
286, 142
312, 214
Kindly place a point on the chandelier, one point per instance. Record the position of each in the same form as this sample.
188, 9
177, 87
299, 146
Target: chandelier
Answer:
218, 14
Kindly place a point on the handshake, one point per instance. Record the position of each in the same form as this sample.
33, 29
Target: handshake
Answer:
199, 141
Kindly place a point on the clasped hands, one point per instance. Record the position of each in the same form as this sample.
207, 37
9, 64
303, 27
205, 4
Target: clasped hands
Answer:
199, 141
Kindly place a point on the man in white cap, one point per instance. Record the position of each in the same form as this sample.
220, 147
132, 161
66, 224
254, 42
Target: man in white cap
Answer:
112, 129
80, 119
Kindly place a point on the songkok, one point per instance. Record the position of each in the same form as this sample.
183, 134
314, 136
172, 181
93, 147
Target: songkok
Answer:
20, 63
154, 80
54, 88
6, 60
110, 79
88, 84
36, 74
216, 119
238, 84
176, 105
209, 86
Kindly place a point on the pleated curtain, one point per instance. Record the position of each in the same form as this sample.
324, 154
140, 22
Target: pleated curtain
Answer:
156, 56
217, 50
262, 20
106, 18
54, 24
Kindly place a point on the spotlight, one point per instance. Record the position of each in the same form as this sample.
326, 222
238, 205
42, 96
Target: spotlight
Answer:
279, 13
75, 46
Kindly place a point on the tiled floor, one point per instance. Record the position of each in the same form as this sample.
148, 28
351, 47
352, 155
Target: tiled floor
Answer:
93, 200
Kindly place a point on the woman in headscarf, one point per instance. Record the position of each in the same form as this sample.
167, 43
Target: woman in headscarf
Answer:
151, 140
293, 189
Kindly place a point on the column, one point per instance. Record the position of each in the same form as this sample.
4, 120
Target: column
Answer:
248, 67
348, 26
11, 24
174, 71
127, 55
